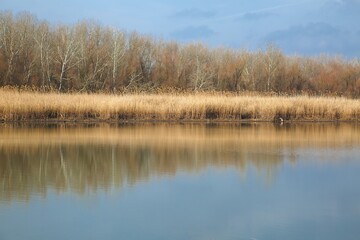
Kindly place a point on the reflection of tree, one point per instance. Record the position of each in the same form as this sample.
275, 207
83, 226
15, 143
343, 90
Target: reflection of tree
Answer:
83, 168
33, 160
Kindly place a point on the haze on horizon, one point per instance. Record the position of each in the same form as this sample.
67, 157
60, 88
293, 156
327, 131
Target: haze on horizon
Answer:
297, 27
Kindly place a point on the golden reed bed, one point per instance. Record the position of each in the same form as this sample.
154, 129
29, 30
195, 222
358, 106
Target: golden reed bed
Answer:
22, 106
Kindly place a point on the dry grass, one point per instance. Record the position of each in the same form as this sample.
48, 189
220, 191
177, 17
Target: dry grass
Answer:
20, 106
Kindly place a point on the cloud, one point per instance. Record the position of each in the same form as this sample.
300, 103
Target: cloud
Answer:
346, 2
192, 32
260, 11
194, 13
342, 5
254, 16
310, 30
316, 38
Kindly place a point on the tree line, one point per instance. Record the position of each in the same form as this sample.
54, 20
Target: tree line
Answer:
88, 57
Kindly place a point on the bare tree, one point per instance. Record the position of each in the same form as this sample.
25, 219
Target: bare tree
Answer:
203, 75
251, 71
42, 41
118, 50
272, 59
12, 43
89, 57
26, 25
147, 59
7, 43
230, 65
134, 82
66, 52
92, 57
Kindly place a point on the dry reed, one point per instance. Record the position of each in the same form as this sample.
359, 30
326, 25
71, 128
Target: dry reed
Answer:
21, 106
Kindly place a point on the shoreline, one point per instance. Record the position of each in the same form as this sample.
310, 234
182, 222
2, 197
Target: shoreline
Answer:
178, 108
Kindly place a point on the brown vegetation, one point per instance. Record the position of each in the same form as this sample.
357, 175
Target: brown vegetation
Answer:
22, 106
88, 57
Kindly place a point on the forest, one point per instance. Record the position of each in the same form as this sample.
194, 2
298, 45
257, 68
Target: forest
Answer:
89, 57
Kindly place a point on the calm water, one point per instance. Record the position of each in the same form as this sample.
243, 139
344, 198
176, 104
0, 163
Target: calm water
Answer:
170, 181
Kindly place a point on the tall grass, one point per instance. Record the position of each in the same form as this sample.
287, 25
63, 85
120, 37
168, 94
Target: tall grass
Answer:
22, 106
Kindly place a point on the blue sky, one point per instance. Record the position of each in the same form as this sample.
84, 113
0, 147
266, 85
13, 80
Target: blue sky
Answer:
305, 27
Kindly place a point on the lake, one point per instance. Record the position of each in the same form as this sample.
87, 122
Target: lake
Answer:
180, 181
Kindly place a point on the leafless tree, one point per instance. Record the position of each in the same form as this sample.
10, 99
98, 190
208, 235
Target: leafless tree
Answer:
92, 58
13, 39
26, 24
272, 60
66, 52
42, 40
147, 59
251, 71
204, 73
118, 48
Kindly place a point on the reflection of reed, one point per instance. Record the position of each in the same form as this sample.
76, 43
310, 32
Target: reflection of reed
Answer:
305, 135
86, 159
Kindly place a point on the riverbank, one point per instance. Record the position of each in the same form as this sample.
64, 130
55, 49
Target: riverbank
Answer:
35, 106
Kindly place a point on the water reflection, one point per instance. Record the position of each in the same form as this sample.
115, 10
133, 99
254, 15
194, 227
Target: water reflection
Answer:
36, 158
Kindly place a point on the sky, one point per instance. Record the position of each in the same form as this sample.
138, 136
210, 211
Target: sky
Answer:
301, 27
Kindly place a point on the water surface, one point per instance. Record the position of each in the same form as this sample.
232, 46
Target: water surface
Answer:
172, 181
